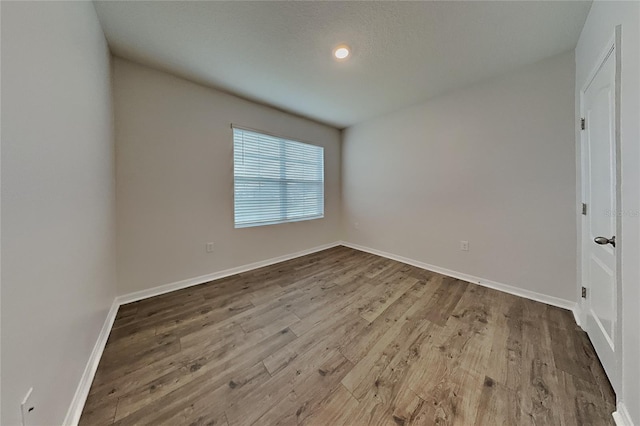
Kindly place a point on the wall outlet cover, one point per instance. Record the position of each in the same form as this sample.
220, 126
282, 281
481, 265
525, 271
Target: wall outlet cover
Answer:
27, 407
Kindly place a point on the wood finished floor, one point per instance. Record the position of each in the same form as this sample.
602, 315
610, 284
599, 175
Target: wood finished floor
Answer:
343, 337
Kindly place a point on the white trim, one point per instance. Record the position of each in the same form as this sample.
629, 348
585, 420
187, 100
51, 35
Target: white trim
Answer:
275, 135
82, 391
580, 159
621, 416
611, 47
538, 297
577, 314
606, 52
167, 288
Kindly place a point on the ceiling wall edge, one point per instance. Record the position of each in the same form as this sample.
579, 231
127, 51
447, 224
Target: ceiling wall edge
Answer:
201, 82
464, 87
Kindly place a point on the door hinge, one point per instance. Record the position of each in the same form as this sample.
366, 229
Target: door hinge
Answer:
584, 209
584, 292
583, 124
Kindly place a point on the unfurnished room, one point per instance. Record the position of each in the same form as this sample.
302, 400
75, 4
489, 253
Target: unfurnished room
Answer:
320, 213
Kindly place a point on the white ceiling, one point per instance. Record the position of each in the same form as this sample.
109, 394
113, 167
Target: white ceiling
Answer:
279, 53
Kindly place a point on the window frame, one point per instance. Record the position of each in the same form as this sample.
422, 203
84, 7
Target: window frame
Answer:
282, 198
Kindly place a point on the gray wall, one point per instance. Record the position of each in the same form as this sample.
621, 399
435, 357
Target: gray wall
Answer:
175, 180
492, 164
58, 199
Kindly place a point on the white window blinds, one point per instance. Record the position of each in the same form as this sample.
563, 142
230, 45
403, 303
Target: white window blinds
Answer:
276, 180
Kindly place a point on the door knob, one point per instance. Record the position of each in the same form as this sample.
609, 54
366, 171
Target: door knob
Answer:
604, 240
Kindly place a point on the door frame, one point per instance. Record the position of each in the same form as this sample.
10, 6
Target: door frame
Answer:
611, 48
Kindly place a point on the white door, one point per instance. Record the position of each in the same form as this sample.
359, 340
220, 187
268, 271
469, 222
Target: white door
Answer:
600, 183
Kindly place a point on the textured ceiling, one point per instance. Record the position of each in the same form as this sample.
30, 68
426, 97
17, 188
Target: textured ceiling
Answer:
279, 53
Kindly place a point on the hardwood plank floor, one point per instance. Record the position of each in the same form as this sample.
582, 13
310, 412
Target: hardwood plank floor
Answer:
343, 337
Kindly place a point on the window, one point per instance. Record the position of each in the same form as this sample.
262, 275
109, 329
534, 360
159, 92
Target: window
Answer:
276, 180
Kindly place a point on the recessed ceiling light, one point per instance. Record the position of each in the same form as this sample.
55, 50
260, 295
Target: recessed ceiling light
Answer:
341, 52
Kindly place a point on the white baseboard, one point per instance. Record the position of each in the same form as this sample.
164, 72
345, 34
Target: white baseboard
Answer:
538, 297
577, 314
82, 391
621, 416
167, 288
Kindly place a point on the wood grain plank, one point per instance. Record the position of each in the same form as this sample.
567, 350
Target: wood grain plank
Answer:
342, 337
336, 409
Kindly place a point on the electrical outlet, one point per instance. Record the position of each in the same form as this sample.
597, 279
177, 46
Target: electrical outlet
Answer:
464, 245
27, 407
356, 225
209, 247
